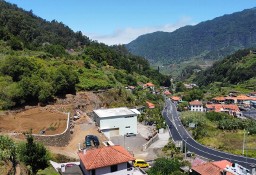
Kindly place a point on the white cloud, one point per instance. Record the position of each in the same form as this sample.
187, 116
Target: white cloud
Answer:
124, 36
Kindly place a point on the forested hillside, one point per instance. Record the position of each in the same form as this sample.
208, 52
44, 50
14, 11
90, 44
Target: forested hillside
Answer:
25, 30
237, 68
211, 39
40, 60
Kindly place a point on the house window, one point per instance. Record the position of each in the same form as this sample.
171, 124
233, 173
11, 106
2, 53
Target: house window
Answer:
113, 168
93, 172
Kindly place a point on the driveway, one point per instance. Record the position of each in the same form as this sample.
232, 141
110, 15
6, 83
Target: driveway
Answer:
134, 143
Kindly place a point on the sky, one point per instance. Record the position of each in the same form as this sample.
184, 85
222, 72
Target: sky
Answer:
121, 21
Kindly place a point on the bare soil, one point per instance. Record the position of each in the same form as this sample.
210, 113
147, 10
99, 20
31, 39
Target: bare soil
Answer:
37, 119
82, 127
53, 120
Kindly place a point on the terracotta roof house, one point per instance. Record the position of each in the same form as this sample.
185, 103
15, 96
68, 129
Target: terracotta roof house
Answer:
150, 105
106, 160
219, 99
230, 109
222, 167
196, 105
149, 85
222, 164
208, 169
176, 99
239, 99
197, 161
167, 92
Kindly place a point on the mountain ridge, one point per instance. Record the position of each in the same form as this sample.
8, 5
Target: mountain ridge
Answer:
211, 39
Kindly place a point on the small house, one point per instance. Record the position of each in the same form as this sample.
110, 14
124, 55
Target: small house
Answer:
196, 105
114, 160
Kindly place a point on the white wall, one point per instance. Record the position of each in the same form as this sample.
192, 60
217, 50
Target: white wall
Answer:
125, 124
106, 170
197, 108
121, 169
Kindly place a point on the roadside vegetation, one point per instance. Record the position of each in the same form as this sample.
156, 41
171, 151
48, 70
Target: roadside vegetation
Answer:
170, 161
221, 131
166, 166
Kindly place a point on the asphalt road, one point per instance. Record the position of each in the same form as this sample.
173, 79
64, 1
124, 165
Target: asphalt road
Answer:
178, 132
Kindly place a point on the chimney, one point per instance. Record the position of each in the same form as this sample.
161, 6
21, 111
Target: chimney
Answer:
84, 151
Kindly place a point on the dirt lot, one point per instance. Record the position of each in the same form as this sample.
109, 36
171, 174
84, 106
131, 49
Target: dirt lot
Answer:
37, 119
84, 126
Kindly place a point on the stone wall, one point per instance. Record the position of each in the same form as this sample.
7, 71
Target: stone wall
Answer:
152, 140
57, 139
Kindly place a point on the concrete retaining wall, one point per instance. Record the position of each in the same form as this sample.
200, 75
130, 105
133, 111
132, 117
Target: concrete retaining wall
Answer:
152, 140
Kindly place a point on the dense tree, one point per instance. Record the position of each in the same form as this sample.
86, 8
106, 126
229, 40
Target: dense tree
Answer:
234, 69
165, 166
25, 27
8, 150
194, 94
33, 154
55, 50
180, 87
182, 106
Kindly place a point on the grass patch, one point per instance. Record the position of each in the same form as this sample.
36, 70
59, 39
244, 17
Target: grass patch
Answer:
228, 141
48, 171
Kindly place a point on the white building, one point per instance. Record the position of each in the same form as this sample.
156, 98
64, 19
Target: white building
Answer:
196, 106
116, 121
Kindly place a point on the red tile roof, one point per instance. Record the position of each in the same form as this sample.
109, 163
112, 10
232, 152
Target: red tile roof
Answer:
219, 98
150, 105
221, 107
149, 84
197, 162
105, 156
209, 168
222, 164
241, 98
175, 98
167, 92
196, 102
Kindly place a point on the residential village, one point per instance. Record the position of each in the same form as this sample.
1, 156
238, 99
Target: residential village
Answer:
121, 153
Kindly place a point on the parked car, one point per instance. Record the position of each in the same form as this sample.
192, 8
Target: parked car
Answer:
130, 134
88, 139
140, 163
96, 141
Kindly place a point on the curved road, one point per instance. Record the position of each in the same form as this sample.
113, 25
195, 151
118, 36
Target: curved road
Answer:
180, 133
